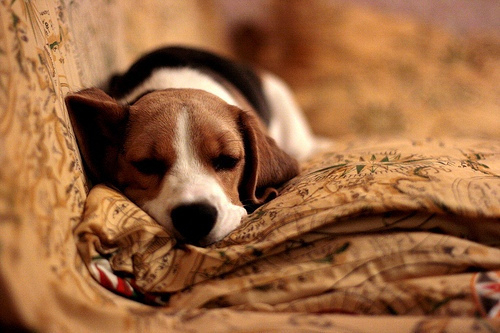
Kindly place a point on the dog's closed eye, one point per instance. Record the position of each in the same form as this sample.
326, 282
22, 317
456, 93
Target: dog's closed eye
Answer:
225, 162
150, 166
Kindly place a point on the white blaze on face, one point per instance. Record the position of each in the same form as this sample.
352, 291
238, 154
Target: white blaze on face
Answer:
189, 182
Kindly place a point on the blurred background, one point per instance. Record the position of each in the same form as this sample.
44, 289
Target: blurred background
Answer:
358, 68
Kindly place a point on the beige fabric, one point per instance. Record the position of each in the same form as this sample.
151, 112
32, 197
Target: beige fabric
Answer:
193, 22
363, 73
48, 48
336, 239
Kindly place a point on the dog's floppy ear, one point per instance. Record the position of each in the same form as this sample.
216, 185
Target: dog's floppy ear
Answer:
266, 165
99, 124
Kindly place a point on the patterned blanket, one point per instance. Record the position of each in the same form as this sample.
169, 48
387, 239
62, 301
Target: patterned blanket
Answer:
393, 228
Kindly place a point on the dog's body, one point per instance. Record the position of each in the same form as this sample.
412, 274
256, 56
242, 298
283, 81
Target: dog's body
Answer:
179, 135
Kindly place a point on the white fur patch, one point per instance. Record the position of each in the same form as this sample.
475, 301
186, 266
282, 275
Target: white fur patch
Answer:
179, 78
288, 126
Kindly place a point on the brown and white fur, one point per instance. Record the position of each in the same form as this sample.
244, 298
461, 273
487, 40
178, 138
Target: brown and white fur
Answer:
184, 143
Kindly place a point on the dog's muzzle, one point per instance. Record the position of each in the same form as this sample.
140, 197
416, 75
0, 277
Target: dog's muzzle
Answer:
194, 221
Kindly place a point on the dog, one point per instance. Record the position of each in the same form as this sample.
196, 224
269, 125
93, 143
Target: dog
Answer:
194, 139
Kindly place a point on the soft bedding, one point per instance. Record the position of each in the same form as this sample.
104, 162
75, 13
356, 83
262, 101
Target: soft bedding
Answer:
377, 228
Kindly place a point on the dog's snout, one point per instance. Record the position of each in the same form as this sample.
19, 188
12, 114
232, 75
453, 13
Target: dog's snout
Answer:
194, 221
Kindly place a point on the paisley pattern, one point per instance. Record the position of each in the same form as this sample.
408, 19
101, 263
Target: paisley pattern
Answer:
370, 228
393, 235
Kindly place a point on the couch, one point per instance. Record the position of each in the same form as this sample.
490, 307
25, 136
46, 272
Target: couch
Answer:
375, 235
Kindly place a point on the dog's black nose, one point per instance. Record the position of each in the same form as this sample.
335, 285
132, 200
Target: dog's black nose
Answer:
194, 221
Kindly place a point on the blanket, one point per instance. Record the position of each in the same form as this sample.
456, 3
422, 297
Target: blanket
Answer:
378, 228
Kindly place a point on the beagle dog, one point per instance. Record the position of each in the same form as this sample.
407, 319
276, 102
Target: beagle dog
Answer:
183, 135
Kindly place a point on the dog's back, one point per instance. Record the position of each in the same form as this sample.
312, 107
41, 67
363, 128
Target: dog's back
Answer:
242, 77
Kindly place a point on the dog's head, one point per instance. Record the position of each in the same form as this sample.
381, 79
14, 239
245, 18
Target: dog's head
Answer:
186, 157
